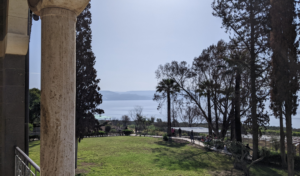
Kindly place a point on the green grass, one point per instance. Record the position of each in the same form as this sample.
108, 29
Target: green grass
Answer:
126, 155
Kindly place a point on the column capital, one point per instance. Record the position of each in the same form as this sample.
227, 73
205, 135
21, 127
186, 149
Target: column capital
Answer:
77, 6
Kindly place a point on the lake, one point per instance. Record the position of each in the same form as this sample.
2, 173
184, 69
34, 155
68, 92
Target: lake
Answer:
118, 108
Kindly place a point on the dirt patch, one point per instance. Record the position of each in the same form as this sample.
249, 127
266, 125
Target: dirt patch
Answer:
86, 166
180, 141
80, 171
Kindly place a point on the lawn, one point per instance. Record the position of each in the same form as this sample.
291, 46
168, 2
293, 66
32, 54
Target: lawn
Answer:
126, 155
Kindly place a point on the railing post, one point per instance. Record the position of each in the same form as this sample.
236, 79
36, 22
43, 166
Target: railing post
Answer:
23, 164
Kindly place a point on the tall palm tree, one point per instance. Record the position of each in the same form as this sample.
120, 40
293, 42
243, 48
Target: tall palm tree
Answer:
167, 87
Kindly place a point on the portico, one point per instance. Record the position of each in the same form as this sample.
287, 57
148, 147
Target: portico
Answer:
58, 80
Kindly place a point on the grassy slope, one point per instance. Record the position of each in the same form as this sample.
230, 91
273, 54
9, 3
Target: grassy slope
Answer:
149, 156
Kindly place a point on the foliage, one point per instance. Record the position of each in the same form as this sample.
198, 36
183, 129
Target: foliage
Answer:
125, 119
240, 154
113, 130
30, 127
88, 97
127, 132
251, 33
264, 152
164, 90
165, 137
34, 105
107, 128
275, 143
284, 75
208, 145
203, 79
102, 132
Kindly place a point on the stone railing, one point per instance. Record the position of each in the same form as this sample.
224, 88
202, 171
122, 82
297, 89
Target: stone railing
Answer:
24, 166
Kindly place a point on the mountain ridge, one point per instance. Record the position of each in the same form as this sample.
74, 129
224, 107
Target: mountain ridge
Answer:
129, 95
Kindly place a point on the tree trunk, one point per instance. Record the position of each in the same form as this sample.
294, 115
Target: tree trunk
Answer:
290, 146
216, 112
232, 131
253, 88
209, 112
169, 113
282, 141
238, 130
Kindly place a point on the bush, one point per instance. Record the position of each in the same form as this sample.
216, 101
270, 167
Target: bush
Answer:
165, 137
275, 143
127, 132
208, 145
107, 128
113, 130
30, 126
101, 133
264, 152
219, 145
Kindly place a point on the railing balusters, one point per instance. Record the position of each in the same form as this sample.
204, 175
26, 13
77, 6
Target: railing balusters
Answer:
23, 164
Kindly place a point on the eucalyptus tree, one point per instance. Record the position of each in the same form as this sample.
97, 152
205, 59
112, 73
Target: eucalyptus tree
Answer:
237, 65
214, 85
164, 90
204, 68
189, 113
250, 23
285, 71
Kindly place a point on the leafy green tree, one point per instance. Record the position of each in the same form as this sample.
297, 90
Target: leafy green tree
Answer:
285, 70
166, 88
34, 105
250, 23
236, 65
107, 128
30, 126
88, 97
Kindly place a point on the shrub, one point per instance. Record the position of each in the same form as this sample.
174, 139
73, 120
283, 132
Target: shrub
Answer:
30, 126
184, 134
107, 128
165, 137
208, 145
101, 133
275, 143
219, 145
113, 130
127, 132
264, 152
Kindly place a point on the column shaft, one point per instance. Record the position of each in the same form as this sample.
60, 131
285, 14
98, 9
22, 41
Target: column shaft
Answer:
58, 88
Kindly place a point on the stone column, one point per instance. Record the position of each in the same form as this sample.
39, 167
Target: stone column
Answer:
58, 81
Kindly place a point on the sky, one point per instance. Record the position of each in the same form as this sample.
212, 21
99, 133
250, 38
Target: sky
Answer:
131, 38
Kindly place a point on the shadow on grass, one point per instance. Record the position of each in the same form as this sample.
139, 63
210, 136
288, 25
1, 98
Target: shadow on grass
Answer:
171, 144
171, 157
264, 171
34, 143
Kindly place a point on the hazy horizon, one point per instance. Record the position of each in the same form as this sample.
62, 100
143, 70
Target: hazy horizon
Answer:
130, 38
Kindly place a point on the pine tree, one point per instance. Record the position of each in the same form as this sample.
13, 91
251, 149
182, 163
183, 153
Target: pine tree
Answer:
285, 71
87, 89
249, 20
